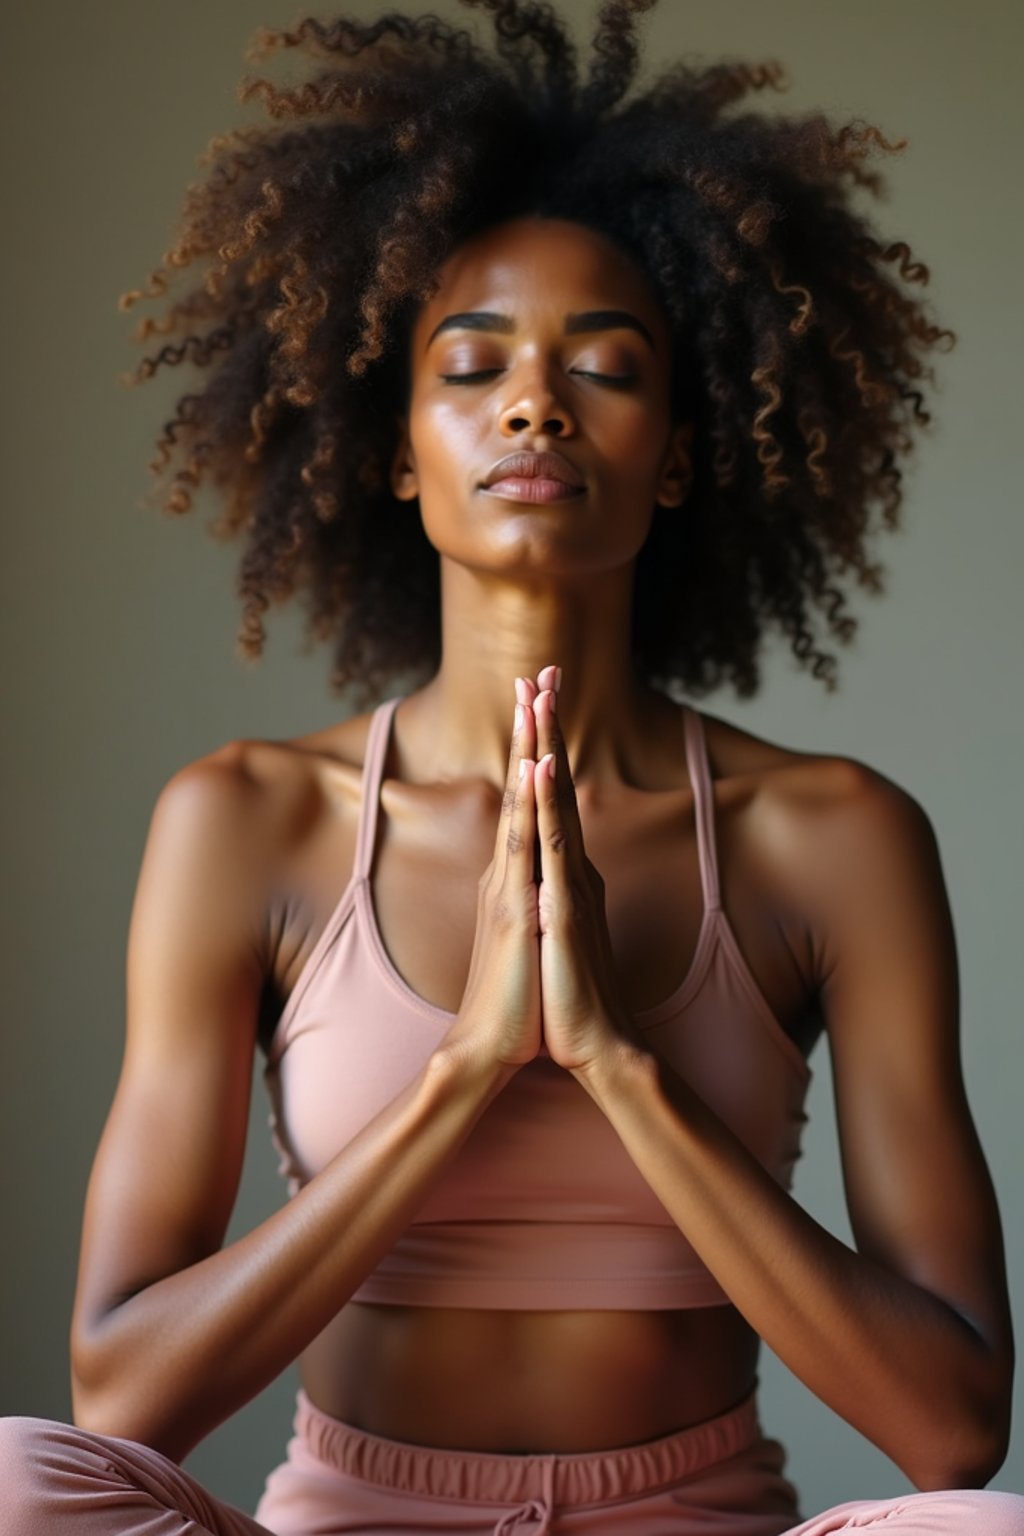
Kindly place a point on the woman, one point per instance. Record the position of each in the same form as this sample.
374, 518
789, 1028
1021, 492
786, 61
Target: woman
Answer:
540, 400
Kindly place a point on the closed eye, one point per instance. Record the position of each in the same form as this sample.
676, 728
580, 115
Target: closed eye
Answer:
619, 379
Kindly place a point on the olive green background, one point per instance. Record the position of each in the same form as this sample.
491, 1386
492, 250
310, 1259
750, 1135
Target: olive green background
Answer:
118, 623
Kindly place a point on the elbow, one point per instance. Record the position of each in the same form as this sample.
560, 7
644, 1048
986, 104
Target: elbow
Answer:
99, 1414
968, 1443
970, 1457
951, 1476
94, 1404
98, 1410
111, 1416
964, 1472
104, 1403
89, 1408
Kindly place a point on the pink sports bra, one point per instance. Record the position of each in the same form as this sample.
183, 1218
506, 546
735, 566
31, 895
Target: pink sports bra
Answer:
541, 1207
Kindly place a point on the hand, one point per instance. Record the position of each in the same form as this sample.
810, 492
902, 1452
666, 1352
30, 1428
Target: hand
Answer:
498, 1022
584, 1016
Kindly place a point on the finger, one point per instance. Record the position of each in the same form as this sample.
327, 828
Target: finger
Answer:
554, 877
551, 741
514, 836
527, 722
522, 832
526, 690
549, 677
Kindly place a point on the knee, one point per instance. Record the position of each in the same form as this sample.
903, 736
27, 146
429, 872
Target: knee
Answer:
22, 1458
997, 1512
38, 1459
991, 1510
23, 1445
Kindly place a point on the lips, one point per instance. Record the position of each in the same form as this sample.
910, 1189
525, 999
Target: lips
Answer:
535, 466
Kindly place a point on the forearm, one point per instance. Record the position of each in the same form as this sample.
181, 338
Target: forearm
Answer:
178, 1358
892, 1359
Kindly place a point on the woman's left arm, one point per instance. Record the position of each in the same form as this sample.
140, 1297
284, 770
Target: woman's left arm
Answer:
909, 1337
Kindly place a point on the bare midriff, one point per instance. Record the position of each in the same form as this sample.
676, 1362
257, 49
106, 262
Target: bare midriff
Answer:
528, 1382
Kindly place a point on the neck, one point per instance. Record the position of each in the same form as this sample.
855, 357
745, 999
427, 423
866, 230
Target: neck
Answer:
494, 630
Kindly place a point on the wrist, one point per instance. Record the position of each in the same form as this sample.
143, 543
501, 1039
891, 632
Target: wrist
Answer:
459, 1064
621, 1064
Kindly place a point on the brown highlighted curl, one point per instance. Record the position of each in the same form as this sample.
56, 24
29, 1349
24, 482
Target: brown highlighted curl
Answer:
797, 349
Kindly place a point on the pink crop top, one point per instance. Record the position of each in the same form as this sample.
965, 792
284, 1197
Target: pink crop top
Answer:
541, 1207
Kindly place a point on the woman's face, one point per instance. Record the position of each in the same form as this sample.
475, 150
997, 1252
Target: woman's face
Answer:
542, 337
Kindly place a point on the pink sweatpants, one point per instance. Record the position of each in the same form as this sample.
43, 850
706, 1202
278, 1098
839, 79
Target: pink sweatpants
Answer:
722, 1476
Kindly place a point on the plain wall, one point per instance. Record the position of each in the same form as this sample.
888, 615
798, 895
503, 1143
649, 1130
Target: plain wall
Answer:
118, 624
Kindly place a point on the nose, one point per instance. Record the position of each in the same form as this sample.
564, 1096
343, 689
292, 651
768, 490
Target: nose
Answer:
534, 406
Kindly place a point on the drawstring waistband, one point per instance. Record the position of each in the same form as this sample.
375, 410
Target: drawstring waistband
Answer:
532, 1484
535, 1515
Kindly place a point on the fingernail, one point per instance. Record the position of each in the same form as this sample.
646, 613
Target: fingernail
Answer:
519, 717
558, 678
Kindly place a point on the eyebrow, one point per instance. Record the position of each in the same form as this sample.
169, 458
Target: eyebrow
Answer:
588, 320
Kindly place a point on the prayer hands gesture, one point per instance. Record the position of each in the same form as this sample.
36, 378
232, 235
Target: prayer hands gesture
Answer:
582, 1009
542, 966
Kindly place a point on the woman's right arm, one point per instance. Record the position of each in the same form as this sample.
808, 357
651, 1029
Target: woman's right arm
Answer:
171, 1333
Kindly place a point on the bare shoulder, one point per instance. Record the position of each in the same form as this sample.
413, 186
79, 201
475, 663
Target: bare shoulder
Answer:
272, 791
814, 785
827, 825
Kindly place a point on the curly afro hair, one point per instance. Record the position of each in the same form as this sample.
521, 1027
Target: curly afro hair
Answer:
797, 351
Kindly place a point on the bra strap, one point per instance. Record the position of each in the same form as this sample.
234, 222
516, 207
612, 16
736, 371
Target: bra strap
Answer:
703, 805
373, 765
